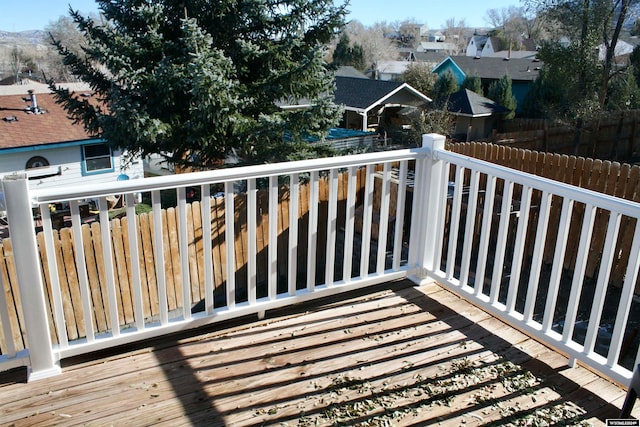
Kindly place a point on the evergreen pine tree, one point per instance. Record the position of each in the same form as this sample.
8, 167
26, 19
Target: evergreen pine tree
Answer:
345, 54
623, 93
342, 54
445, 85
501, 92
197, 80
474, 84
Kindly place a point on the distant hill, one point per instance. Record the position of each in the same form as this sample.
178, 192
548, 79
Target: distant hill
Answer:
24, 38
32, 44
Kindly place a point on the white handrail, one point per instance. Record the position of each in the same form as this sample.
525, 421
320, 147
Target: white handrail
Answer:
605, 201
57, 194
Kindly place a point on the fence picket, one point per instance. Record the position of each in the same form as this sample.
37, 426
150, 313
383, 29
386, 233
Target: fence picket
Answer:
157, 221
93, 281
7, 337
147, 266
72, 283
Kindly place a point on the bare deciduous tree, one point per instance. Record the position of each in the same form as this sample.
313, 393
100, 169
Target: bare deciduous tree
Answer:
376, 46
63, 29
15, 62
510, 24
456, 34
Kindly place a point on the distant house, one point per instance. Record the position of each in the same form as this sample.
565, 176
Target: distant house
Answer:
521, 71
436, 46
389, 70
431, 59
476, 116
349, 71
623, 49
367, 102
491, 47
482, 46
436, 36
37, 138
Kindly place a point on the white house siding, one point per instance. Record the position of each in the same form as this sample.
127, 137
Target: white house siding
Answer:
390, 70
69, 160
472, 48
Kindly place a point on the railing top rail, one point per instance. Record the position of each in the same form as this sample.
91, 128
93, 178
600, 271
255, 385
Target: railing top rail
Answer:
219, 176
590, 197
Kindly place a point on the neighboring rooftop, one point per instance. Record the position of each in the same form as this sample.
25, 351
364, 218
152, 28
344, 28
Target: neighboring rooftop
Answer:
361, 93
468, 103
349, 71
496, 68
20, 126
36, 87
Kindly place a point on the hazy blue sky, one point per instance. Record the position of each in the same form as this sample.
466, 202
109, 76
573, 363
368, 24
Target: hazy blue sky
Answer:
430, 12
36, 14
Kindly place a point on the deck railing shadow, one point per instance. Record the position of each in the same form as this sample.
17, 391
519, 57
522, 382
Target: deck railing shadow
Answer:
350, 389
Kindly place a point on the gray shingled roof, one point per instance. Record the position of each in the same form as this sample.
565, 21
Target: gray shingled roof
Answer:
468, 103
362, 93
349, 71
496, 68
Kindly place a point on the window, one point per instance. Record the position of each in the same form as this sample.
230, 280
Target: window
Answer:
96, 159
36, 162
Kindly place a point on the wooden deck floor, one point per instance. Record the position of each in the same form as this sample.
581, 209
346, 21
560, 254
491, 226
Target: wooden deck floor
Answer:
402, 355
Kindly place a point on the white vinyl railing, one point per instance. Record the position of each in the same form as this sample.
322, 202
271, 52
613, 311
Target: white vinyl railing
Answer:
346, 256
519, 246
498, 237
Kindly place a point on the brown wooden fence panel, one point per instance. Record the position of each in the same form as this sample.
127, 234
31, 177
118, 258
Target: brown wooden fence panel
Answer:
621, 180
47, 284
614, 135
12, 294
68, 276
95, 289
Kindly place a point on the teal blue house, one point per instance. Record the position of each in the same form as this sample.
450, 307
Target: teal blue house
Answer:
521, 71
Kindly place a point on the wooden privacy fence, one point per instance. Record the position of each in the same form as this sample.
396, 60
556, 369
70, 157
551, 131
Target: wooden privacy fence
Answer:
69, 280
616, 136
611, 178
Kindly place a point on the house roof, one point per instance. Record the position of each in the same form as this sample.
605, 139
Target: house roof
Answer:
430, 57
36, 87
516, 54
19, 127
436, 46
495, 68
392, 67
479, 40
361, 95
529, 44
349, 71
468, 103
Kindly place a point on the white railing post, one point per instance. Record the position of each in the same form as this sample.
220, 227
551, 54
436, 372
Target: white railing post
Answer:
428, 198
27, 261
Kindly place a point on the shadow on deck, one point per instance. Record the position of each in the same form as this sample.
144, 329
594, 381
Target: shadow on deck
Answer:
393, 355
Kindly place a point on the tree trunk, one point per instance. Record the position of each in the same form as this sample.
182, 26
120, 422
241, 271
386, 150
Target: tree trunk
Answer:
610, 46
576, 137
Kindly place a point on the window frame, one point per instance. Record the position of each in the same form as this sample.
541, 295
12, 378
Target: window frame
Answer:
85, 169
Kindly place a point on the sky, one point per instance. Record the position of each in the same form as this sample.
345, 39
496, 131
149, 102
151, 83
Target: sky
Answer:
36, 14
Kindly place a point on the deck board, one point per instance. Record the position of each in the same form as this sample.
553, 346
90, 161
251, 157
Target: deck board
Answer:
403, 355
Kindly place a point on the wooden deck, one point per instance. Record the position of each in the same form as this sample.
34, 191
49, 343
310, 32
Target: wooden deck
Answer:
401, 355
